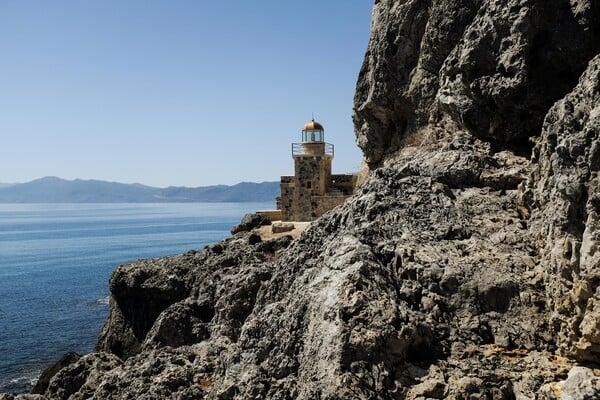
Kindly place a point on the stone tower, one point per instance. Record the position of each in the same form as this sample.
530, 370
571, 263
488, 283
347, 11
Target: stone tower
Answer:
312, 190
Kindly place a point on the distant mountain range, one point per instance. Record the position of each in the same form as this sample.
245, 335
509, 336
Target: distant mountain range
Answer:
56, 190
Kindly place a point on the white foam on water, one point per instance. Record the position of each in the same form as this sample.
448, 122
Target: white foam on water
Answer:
22, 383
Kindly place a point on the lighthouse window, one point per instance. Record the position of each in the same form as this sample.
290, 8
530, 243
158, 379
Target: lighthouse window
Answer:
312, 136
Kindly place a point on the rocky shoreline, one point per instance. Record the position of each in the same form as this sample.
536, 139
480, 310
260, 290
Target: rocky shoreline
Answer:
466, 266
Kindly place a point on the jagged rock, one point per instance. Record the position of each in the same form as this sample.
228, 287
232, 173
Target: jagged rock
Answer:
180, 324
274, 245
180, 300
139, 293
249, 222
80, 379
563, 197
486, 65
399, 278
43, 381
158, 374
254, 239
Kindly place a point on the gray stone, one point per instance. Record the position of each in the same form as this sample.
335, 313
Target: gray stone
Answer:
562, 195
280, 227
254, 239
249, 222
44, 379
180, 324
140, 291
80, 379
581, 384
485, 65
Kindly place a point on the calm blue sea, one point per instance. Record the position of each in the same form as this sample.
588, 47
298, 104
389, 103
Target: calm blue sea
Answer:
55, 261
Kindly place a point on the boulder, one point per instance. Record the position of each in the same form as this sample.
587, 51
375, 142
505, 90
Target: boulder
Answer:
80, 379
249, 222
44, 379
281, 227
581, 384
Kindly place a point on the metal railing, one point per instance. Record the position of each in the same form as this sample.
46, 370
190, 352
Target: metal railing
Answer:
329, 149
299, 150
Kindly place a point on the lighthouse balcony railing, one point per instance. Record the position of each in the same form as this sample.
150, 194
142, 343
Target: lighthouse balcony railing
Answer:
302, 149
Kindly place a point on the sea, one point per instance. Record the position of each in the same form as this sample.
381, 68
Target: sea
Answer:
55, 262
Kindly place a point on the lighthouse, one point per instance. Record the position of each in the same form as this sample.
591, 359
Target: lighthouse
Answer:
312, 190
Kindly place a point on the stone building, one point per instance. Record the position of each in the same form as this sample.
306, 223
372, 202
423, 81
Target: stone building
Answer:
312, 190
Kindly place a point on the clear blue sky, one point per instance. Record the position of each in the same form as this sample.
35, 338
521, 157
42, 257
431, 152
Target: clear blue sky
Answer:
175, 92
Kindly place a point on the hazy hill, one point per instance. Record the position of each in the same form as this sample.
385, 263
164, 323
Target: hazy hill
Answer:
56, 190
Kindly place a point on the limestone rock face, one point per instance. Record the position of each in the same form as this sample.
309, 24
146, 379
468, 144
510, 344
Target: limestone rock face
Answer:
493, 66
186, 299
44, 379
139, 293
80, 379
563, 195
465, 267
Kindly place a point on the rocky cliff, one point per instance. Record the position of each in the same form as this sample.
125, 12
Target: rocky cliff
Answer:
465, 267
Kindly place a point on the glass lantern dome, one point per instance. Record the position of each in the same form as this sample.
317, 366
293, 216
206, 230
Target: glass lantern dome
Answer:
313, 132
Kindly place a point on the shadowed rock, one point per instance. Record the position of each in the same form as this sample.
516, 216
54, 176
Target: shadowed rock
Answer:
44, 379
249, 222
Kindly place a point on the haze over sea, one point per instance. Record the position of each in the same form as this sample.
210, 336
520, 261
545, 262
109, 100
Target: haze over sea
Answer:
55, 261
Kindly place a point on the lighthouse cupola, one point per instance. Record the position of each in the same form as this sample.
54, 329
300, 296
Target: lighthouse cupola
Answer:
313, 141
313, 132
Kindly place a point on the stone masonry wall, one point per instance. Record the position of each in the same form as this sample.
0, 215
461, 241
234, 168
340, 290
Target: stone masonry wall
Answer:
285, 201
322, 204
344, 182
312, 174
271, 215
